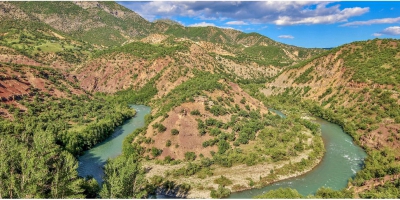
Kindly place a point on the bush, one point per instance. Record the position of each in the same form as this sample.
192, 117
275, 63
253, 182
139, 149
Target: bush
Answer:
281, 193
221, 192
215, 132
327, 193
223, 181
174, 131
159, 127
190, 156
155, 152
195, 112
168, 159
223, 146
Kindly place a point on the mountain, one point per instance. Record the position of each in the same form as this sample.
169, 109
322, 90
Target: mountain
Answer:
78, 36
100, 23
362, 75
69, 70
358, 83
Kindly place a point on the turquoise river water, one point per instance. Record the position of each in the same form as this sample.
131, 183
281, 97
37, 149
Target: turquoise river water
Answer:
341, 161
93, 160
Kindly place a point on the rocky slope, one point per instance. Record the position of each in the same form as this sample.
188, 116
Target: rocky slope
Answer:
359, 83
72, 36
64, 48
24, 83
101, 23
221, 127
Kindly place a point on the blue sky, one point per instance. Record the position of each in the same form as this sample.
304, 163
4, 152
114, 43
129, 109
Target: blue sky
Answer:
308, 24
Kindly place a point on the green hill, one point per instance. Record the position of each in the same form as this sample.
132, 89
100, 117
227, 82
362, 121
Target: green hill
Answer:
69, 69
355, 86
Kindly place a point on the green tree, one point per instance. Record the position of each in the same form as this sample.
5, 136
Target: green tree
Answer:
91, 187
223, 146
221, 192
174, 131
328, 193
190, 156
281, 193
124, 178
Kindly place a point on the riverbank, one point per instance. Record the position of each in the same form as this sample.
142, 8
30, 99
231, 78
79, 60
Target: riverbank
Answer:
237, 175
92, 161
243, 177
341, 161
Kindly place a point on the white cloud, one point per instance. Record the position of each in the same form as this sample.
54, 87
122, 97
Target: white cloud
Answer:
202, 24
236, 23
339, 16
373, 21
393, 30
207, 18
286, 36
277, 12
376, 34
205, 24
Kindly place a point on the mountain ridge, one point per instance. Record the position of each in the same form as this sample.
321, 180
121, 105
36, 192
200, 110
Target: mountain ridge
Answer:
93, 58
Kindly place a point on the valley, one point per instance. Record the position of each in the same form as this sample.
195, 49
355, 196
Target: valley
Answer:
69, 71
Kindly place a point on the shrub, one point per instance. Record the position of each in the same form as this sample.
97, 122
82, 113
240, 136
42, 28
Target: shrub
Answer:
281, 193
215, 132
155, 152
223, 146
221, 192
159, 127
190, 156
174, 131
243, 100
168, 159
195, 112
223, 181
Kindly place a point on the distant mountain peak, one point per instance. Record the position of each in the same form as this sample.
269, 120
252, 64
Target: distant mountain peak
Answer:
168, 21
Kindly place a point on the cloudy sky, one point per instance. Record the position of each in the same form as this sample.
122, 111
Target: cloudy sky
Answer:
307, 24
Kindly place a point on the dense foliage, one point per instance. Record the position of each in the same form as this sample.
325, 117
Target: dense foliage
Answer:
374, 61
39, 146
381, 162
281, 193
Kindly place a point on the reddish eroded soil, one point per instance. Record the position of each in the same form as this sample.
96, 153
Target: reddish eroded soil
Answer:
10, 56
189, 139
118, 72
16, 82
385, 136
330, 71
371, 184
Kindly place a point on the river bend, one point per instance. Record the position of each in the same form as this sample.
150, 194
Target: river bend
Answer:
341, 161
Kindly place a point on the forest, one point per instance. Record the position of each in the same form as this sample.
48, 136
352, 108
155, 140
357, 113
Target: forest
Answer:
40, 146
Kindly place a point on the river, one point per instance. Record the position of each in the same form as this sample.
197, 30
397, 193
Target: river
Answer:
341, 161
93, 160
